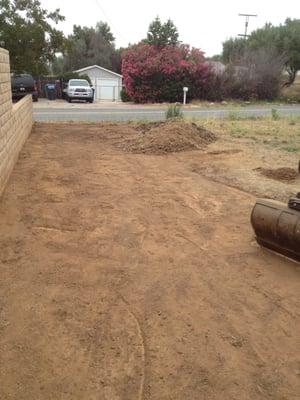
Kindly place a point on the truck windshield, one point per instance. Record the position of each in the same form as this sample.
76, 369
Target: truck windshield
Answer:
79, 83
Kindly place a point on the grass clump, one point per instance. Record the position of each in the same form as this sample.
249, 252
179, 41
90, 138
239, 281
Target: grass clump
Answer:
174, 111
291, 149
236, 116
233, 116
275, 115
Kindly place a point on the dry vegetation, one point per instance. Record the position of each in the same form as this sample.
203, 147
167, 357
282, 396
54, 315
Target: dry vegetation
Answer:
258, 144
282, 134
289, 94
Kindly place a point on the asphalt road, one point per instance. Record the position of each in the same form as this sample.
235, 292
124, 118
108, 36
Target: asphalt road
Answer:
88, 112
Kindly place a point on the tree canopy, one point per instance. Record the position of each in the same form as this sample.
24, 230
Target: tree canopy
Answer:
26, 30
233, 49
284, 39
89, 45
162, 34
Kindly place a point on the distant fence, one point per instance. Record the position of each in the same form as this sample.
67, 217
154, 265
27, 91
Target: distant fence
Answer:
42, 81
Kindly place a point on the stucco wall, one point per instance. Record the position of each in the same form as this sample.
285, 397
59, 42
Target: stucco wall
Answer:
15, 122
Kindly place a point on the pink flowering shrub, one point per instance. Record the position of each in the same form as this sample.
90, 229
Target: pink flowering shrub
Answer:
157, 74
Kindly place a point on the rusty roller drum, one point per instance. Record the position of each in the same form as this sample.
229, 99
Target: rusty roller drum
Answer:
277, 227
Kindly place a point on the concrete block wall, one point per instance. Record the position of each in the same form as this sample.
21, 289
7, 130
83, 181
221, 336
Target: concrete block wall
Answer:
16, 122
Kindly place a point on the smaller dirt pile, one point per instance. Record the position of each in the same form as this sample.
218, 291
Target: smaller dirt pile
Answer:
280, 174
169, 137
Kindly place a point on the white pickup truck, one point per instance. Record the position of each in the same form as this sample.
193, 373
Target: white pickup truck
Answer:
79, 89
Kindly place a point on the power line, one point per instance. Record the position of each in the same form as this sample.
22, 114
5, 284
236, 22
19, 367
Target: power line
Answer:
109, 20
247, 17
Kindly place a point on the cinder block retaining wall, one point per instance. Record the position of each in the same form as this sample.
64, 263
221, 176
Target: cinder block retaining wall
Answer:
16, 122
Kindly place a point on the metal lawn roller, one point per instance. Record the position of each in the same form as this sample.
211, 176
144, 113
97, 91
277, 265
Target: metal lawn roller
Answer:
277, 226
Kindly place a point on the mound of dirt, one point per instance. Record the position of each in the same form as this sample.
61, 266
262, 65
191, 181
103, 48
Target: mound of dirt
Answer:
169, 137
280, 174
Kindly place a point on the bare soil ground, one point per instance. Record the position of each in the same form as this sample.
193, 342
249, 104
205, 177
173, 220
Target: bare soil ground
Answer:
165, 137
280, 174
135, 276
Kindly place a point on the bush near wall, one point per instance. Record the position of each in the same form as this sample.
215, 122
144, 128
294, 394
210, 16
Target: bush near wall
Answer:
158, 74
125, 96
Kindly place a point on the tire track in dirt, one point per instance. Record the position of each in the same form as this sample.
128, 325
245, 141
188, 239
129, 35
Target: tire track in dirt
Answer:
148, 285
142, 339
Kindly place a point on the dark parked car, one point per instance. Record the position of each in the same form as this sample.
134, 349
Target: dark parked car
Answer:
23, 84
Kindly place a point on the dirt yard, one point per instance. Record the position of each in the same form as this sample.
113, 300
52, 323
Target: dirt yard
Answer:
129, 276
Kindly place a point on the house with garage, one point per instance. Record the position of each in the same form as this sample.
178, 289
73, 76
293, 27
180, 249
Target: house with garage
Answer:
107, 84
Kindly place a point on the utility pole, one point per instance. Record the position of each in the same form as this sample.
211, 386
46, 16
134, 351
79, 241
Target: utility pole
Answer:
247, 17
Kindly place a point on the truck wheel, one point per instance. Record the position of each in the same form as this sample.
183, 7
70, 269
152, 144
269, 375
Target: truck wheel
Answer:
91, 100
69, 100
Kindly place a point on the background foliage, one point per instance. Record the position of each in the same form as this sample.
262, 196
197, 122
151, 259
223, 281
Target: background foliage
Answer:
159, 74
162, 34
91, 46
26, 30
157, 68
284, 40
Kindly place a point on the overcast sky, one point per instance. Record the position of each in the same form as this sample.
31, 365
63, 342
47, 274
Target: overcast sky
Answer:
203, 24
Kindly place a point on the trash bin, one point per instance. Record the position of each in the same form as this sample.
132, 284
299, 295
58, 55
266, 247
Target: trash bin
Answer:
50, 90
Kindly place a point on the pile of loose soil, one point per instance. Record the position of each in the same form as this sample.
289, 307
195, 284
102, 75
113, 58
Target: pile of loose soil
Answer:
169, 137
280, 174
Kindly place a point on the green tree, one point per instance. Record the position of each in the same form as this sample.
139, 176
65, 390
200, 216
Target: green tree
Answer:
162, 34
26, 30
284, 39
104, 29
89, 46
233, 50
116, 61
57, 65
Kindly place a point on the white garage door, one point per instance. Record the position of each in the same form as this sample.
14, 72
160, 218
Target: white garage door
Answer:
106, 89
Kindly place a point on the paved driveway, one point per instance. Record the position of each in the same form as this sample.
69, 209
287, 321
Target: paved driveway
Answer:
62, 111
